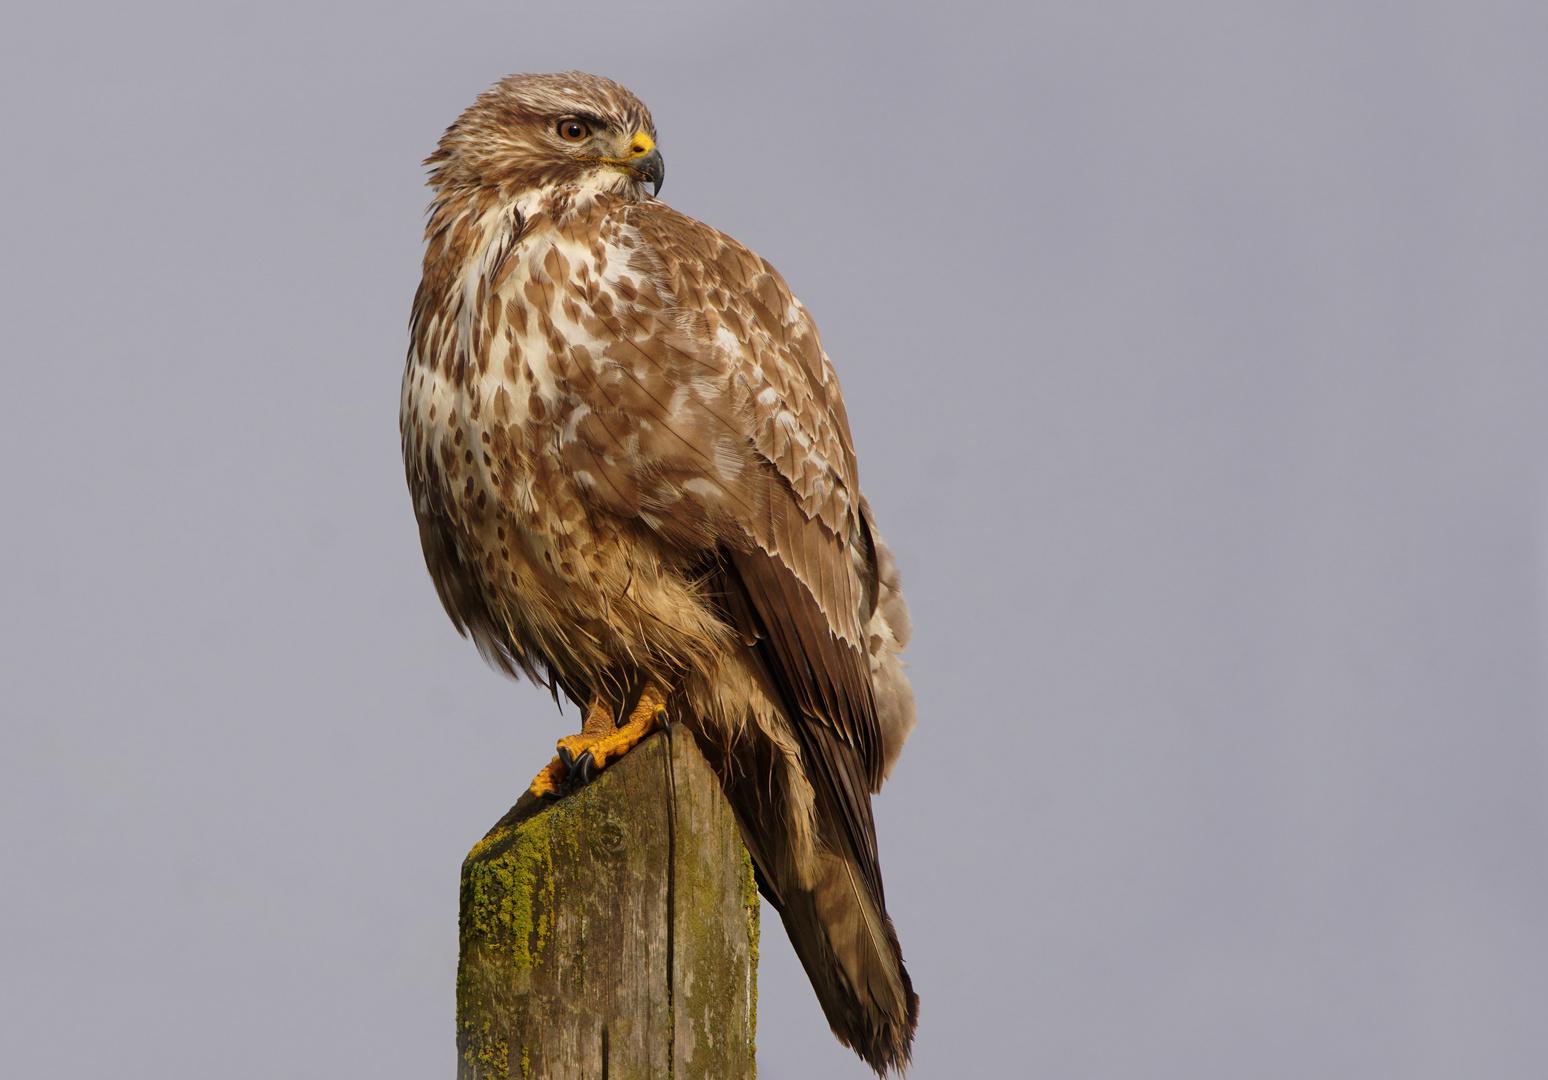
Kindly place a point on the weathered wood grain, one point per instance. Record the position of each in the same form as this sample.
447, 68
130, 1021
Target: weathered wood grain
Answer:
613, 934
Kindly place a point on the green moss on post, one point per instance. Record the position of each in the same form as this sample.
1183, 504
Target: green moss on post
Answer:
613, 933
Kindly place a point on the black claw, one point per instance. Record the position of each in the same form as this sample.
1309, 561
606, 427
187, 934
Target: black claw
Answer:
578, 770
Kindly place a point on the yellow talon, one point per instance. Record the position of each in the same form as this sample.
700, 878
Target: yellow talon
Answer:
550, 780
599, 744
646, 720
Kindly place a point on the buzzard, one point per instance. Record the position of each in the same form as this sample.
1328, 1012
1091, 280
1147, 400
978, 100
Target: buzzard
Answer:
635, 484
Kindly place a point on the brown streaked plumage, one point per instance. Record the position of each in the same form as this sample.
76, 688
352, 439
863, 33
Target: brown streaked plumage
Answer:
631, 467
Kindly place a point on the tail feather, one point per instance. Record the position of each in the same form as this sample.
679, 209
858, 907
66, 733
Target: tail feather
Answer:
837, 924
850, 952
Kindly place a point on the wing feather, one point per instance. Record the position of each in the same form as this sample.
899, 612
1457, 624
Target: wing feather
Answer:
701, 339
694, 333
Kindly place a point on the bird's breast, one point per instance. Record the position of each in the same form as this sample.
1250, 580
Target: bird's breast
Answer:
494, 400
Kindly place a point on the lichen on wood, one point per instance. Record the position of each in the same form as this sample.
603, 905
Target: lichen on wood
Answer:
612, 933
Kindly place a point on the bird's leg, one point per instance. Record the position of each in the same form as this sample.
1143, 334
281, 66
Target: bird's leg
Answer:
601, 742
648, 717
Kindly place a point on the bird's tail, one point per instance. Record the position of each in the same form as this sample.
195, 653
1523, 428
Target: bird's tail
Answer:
836, 919
850, 951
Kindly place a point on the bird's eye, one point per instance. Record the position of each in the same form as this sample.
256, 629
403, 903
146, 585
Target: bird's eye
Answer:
573, 130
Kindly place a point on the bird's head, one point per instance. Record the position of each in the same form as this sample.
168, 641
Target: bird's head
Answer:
534, 131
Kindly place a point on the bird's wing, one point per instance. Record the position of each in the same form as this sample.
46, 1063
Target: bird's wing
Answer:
712, 415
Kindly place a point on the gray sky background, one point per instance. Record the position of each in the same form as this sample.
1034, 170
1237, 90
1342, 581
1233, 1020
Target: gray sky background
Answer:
1197, 357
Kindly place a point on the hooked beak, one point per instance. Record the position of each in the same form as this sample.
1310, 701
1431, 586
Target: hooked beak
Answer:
651, 168
641, 160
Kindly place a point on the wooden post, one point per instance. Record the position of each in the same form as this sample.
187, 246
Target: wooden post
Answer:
612, 934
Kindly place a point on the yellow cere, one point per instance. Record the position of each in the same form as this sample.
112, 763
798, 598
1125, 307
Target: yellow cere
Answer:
642, 144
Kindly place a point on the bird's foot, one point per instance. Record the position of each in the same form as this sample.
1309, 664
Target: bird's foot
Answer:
584, 755
549, 784
648, 717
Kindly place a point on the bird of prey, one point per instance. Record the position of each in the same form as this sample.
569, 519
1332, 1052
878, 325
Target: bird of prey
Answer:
635, 484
